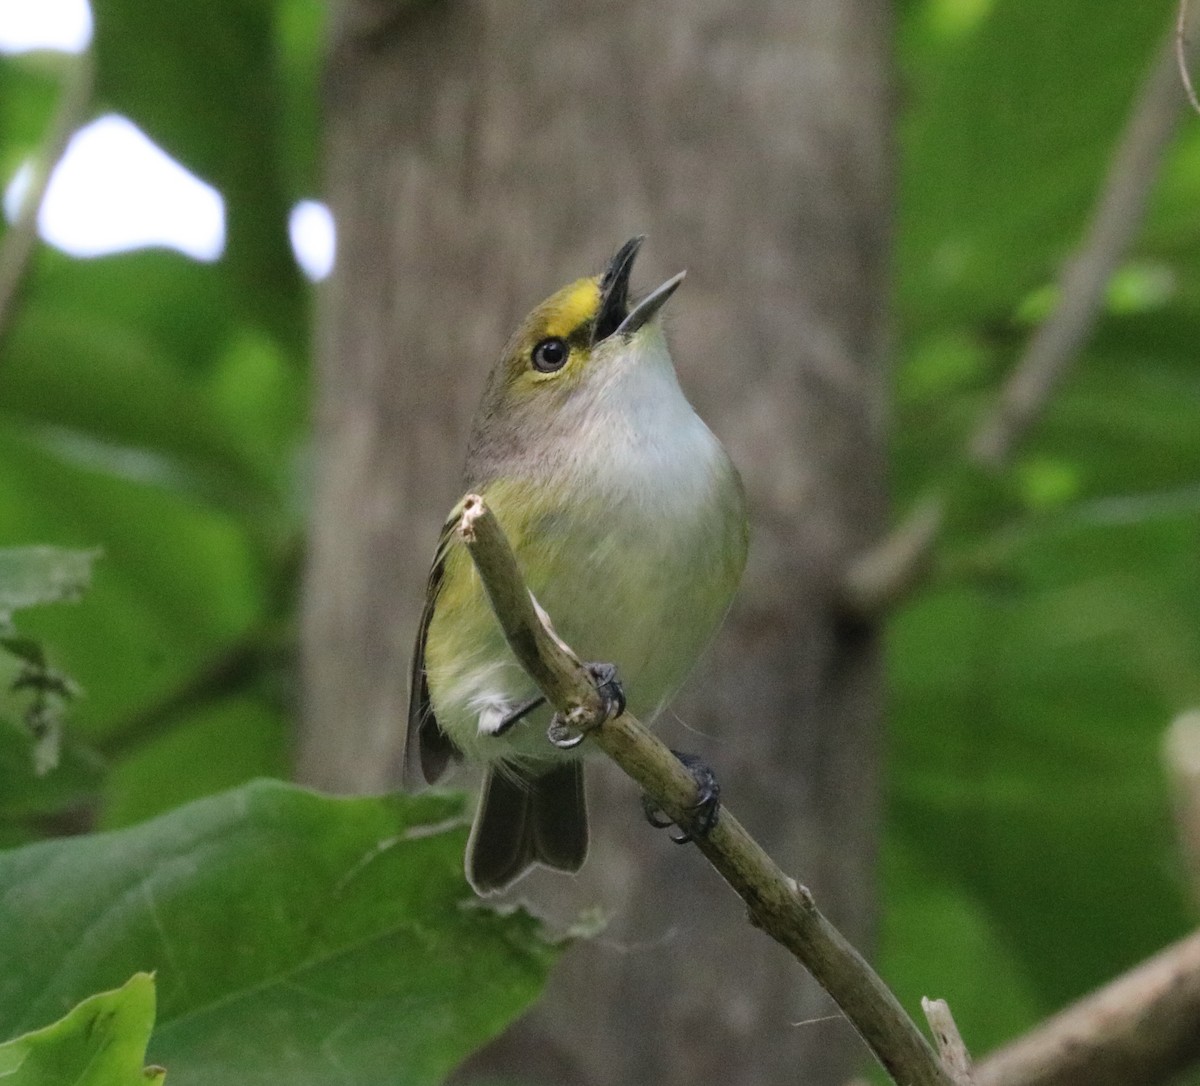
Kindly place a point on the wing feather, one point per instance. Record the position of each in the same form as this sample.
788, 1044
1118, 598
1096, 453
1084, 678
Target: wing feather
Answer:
426, 745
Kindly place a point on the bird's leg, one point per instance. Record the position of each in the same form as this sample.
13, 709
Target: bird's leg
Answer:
518, 714
703, 813
608, 686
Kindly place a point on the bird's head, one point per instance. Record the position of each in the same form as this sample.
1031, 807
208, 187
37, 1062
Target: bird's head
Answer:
577, 342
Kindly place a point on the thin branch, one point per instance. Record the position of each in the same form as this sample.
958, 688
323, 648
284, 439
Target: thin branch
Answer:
20, 240
1181, 752
955, 1057
1115, 223
776, 903
1181, 56
1140, 1028
890, 570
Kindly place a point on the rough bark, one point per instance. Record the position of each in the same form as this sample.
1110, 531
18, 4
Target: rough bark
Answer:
479, 155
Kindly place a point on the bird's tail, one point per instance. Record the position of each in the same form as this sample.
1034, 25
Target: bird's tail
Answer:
525, 818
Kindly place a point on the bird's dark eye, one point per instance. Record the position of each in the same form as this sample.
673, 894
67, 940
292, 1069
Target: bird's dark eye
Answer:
550, 355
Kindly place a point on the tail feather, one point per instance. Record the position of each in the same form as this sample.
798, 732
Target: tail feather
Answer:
559, 823
524, 819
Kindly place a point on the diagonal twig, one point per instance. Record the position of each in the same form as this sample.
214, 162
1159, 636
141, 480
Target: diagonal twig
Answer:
776, 903
19, 241
951, 1047
1141, 1028
1181, 755
889, 571
1181, 57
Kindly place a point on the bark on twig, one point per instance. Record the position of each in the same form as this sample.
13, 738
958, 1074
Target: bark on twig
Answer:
776, 903
890, 570
955, 1057
1140, 1028
20, 240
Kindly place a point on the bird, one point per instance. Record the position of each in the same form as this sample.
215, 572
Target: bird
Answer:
628, 521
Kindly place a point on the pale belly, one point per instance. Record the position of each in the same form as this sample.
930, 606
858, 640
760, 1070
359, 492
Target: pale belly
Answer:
641, 584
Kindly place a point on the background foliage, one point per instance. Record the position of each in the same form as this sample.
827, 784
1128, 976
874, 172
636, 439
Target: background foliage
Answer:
1030, 846
156, 409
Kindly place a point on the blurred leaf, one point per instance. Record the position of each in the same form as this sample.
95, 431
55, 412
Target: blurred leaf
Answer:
156, 408
1025, 767
31, 691
1047, 483
199, 751
301, 56
941, 364
1031, 854
100, 1042
203, 81
1140, 287
178, 580
29, 88
33, 575
1011, 124
941, 940
296, 938
105, 359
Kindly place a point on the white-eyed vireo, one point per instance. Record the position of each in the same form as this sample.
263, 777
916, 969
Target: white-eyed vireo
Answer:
628, 521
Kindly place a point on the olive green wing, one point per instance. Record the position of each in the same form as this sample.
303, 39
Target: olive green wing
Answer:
426, 745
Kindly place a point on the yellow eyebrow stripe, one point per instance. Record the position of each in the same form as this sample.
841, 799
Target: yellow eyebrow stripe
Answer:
571, 307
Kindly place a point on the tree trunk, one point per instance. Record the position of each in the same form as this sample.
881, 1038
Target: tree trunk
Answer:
480, 154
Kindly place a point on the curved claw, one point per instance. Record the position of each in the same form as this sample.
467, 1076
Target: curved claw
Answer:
608, 686
704, 812
654, 814
560, 735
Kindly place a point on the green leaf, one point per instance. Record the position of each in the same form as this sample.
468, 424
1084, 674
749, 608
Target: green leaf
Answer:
206, 749
296, 938
30, 689
34, 575
100, 1042
177, 583
129, 353
26, 794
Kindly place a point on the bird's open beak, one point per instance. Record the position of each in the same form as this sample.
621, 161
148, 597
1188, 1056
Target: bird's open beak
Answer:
615, 316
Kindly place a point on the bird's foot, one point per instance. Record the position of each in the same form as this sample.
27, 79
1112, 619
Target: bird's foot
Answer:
703, 814
567, 733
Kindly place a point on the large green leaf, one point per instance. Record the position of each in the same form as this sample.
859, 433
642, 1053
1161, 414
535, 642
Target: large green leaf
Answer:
296, 938
100, 1042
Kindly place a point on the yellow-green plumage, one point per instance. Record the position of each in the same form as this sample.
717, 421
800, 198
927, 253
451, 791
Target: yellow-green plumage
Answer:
628, 521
